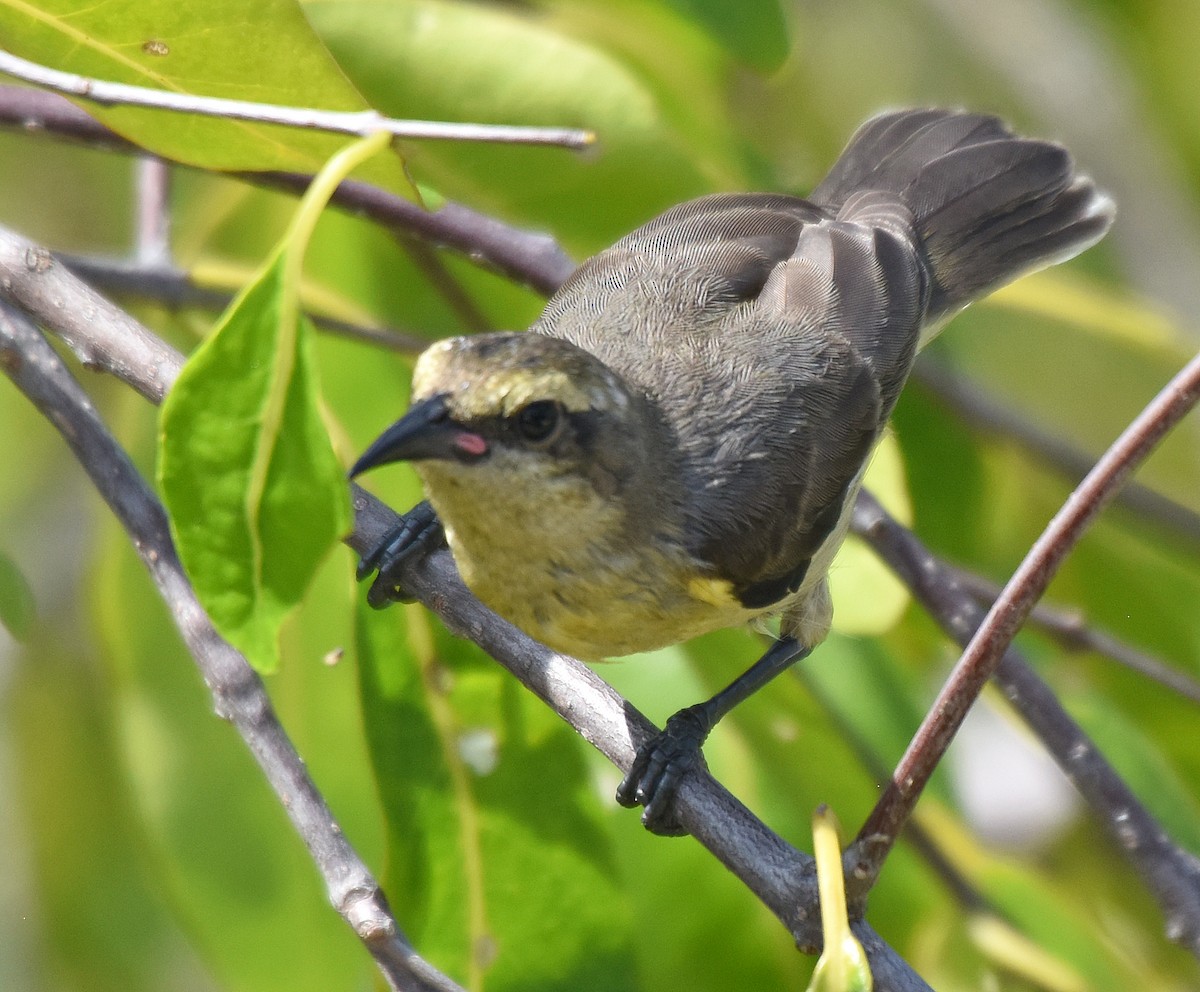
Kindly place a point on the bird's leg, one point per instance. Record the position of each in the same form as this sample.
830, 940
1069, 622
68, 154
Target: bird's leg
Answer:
418, 532
662, 763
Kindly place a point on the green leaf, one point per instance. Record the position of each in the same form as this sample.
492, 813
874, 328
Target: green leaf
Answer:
255, 493
260, 50
499, 863
17, 606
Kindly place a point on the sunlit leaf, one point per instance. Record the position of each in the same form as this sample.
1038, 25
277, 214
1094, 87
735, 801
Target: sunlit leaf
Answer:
466, 61
258, 50
256, 495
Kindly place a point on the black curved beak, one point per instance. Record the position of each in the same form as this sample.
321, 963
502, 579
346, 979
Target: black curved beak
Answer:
426, 431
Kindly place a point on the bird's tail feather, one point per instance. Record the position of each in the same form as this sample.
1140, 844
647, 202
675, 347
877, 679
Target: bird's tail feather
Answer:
987, 205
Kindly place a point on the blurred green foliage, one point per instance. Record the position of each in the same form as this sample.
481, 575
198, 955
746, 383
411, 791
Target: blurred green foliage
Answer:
141, 848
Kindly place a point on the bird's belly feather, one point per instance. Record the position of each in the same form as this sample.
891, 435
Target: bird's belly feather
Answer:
607, 608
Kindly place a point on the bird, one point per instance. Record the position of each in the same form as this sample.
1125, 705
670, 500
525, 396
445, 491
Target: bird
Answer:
675, 445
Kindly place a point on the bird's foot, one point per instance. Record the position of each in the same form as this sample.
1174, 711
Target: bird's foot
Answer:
418, 532
661, 766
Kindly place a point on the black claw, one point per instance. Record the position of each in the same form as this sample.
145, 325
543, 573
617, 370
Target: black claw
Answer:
418, 532
660, 768
663, 763
629, 792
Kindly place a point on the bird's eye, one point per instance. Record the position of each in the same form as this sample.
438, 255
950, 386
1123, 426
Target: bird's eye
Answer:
539, 421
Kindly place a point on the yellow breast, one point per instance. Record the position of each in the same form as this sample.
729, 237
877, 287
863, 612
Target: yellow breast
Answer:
565, 570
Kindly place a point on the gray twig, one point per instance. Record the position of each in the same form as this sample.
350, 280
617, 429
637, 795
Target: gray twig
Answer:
102, 335
362, 123
153, 197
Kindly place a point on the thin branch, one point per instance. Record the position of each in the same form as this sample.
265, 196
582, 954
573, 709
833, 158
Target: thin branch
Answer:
176, 289
987, 414
1071, 629
39, 112
1171, 874
1010, 610
361, 123
530, 258
102, 335
780, 875
238, 693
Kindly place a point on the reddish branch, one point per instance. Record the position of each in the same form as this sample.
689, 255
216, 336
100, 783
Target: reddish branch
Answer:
986, 648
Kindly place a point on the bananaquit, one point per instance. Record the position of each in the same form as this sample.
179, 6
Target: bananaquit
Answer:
675, 445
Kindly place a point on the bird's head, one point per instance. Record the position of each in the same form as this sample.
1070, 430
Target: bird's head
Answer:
509, 423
